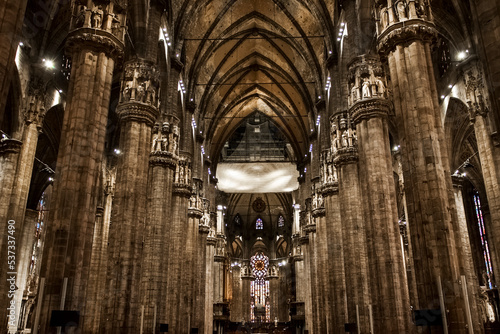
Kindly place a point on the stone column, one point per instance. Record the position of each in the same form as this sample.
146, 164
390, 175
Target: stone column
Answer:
68, 248
99, 263
12, 18
137, 110
177, 226
431, 206
209, 282
162, 164
345, 159
335, 249
390, 298
489, 154
16, 186
464, 242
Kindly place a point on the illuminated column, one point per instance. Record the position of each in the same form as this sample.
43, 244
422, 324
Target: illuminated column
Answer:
389, 288
138, 111
67, 255
16, 169
209, 282
99, 262
405, 38
489, 154
335, 246
345, 159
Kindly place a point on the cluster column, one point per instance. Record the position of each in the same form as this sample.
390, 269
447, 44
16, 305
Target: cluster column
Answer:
16, 184
405, 38
345, 159
138, 110
390, 298
67, 254
489, 155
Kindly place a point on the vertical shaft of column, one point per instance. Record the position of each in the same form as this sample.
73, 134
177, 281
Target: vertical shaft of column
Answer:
69, 235
203, 273
318, 213
21, 165
431, 208
138, 110
12, 18
98, 265
209, 282
177, 226
162, 161
335, 250
489, 154
345, 158
390, 297
464, 243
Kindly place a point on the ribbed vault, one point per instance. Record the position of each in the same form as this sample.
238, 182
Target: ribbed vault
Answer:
242, 57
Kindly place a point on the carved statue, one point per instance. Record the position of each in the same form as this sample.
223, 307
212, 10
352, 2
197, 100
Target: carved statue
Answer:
384, 17
354, 94
97, 14
192, 202
380, 87
115, 24
157, 141
315, 201
80, 19
181, 174
345, 141
330, 173
401, 11
126, 92
139, 96
150, 93
366, 88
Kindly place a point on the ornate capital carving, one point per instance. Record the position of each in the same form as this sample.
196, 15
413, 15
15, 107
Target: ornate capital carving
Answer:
165, 159
137, 112
182, 190
310, 228
330, 189
404, 33
10, 146
165, 138
319, 212
95, 40
346, 156
370, 108
457, 180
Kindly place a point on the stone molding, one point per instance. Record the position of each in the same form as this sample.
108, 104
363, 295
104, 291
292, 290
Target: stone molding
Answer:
161, 158
204, 229
310, 228
182, 189
329, 189
195, 213
137, 112
304, 239
370, 108
404, 33
95, 40
319, 212
345, 156
457, 180
10, 146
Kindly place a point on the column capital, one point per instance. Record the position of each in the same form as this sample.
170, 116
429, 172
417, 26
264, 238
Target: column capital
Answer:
137, 112
160, 158
404, 33
345, 156
370, 108
182, 190
95, 40
10, 146
457, 180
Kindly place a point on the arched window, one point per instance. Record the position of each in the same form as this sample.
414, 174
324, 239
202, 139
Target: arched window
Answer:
260, 307
281, 221
259, 224
484, 241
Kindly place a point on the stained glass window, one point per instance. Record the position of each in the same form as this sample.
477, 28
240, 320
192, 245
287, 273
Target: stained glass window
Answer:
260, 308
281, 221
484, 240
259, 225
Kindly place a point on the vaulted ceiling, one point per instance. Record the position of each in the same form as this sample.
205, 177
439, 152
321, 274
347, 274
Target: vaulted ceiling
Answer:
244, 56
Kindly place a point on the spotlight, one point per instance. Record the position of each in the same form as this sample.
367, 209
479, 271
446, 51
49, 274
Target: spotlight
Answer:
450, 86
117, 151
48, 64
461, 55
442, 97
21, 44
